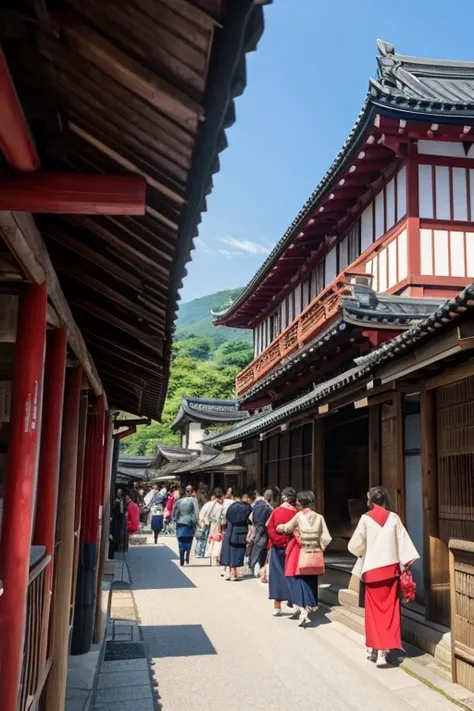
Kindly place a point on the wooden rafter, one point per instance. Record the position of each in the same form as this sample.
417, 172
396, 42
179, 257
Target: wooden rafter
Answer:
148, 85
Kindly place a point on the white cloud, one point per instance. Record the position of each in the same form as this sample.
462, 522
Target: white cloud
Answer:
244, 245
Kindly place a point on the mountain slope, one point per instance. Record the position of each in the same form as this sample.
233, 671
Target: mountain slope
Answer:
194, 318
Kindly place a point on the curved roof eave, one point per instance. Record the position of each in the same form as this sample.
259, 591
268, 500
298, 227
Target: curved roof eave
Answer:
343, 157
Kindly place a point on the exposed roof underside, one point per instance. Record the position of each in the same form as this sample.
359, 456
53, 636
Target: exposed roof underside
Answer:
196, 409
405, 87
378, 312
143, 87
444, 318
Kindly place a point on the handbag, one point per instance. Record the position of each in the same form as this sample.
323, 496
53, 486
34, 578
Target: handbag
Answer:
407, 586
310, 562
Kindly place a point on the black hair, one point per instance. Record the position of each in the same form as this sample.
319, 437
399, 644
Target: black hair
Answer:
236, 493
289, 494
218, 493
379, 495
305, 499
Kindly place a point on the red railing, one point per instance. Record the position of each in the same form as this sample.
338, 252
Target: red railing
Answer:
304, 327
35, 667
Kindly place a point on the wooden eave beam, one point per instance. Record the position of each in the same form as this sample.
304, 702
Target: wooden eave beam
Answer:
72, 270
16, 142
71, 193
120, 352
23, 239
138, 79
153, 342
125, 163
67, 240
111, 238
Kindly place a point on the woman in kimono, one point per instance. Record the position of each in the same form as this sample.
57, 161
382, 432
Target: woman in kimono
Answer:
278, 589
309, 530
215, 518
261, 511
235, 537
186, 514
384, 549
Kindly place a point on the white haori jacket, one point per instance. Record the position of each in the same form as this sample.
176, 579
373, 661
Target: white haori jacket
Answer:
378, 546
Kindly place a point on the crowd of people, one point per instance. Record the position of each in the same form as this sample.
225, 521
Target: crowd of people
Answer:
281, 538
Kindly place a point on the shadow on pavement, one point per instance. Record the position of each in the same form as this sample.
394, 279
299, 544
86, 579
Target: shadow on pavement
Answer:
177, 641
153, 568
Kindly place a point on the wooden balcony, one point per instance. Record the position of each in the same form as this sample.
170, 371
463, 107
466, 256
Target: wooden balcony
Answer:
302, 330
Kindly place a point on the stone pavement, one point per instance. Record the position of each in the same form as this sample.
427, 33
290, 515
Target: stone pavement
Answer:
214, 645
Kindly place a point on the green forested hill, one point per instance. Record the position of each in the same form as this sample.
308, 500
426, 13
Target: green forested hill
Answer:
204, 363
194, 318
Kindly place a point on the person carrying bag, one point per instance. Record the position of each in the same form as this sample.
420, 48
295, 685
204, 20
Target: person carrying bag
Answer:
305, 555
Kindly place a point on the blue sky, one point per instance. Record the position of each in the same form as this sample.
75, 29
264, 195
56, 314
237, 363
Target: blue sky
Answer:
305, 86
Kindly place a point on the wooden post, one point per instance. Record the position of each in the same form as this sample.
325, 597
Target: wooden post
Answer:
452, 598
104, 527
55, 691
318, 463
83, 410
88, 548
20, 486
436, 562
374, 445
399, 458
48, 470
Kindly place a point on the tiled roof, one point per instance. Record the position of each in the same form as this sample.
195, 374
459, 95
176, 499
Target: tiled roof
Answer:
436, 88
209, 460
421, 84
196, 409
427, 328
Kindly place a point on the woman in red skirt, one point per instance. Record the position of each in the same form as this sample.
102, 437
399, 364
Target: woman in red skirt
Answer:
384, 549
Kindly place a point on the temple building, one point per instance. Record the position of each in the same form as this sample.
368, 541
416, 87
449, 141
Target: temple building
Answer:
362, 368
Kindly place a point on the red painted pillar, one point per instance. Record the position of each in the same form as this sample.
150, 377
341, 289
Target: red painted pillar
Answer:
104, 524
91, 502
20, 486
48, 470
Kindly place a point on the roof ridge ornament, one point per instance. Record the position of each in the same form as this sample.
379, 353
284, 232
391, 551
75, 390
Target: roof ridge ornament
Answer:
385, 48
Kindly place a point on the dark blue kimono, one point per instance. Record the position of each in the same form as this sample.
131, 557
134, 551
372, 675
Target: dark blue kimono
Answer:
235, 537
258, 550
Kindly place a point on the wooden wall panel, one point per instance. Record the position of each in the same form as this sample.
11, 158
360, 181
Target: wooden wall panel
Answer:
392, 452
455, 430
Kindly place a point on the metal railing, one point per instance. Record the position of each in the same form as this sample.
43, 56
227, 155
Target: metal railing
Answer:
302, 329
35, 666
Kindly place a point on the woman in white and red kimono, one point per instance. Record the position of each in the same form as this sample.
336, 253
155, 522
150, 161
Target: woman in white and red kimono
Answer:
384, 549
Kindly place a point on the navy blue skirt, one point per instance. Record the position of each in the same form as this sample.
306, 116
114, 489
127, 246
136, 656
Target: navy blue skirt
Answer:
231, 556
225, 550
157, 523
278, 588
304, 590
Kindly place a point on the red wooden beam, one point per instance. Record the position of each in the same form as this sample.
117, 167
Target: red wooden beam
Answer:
73, 193
16, 142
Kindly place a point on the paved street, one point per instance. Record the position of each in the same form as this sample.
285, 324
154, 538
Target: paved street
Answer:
215, 645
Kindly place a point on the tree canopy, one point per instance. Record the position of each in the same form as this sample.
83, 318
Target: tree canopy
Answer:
195, 374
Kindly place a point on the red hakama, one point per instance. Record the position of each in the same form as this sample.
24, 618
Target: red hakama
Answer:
382, 601
382, 615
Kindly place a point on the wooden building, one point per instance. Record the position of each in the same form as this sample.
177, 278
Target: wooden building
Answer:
357, 352
111, 123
